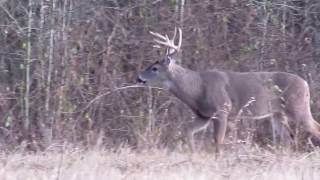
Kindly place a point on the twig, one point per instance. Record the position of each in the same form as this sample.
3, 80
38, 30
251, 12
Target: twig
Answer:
11, 17
107, 93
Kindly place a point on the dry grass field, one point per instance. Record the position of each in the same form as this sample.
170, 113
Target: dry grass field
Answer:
241, 164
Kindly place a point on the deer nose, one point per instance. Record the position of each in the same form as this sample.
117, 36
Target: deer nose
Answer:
139, 80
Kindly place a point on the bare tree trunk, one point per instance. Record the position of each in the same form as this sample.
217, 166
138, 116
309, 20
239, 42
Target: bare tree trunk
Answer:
264, 37
50, 63
66, 13
27, 65
41, 44
182, 2
179, 15
283, 25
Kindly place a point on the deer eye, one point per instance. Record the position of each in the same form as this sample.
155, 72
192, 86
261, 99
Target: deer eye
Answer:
154, 69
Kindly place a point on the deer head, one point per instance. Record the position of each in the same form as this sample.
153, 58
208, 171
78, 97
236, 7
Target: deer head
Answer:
158, 73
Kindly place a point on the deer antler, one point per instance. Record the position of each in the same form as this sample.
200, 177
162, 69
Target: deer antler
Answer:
169, 43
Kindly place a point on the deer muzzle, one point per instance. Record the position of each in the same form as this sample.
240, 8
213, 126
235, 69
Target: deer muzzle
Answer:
140, 80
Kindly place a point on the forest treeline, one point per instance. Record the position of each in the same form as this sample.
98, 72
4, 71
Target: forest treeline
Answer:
67, 67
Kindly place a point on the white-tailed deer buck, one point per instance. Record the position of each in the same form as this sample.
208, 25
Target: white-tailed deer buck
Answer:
218, 95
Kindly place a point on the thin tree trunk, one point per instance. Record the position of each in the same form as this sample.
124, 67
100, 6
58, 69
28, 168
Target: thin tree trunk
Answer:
50, 63
66, 14
283, 25
182, 2
27, 66
41, 45
264, 37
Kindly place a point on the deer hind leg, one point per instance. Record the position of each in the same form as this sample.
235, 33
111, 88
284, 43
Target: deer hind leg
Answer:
313, 127
196, 126
220, 126
281, 129
304, 122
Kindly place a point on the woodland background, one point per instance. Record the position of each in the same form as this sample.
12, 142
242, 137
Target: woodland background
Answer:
67, 66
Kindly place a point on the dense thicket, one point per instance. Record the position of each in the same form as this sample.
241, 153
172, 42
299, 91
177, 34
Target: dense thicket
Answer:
66, 66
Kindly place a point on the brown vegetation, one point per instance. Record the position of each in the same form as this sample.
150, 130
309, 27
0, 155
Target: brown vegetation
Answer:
242, 164
67, 67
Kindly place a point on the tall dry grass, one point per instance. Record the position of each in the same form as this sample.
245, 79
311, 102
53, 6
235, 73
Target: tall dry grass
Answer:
98, 164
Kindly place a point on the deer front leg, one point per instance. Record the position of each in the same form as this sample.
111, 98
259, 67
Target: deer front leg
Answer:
220, 127
196, 126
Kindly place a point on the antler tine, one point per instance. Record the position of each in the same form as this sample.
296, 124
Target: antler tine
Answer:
158, 35
166, 41
180, 38
174, 35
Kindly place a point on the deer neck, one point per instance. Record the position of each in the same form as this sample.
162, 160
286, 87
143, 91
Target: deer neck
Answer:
185, 84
